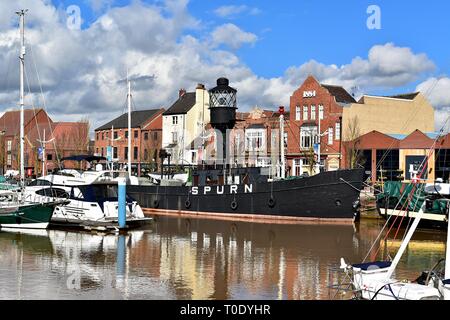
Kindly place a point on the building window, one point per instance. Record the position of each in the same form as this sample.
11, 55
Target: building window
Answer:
8, 160
103, 136
297, 113
126, 153
102, 152
49, 157
115, 135
330, 135
175, 120
308, 136
96, 150
320, 112
126, 134
305, 112
145, 154
285, 139
135, 153
297, 169
254, 140
313, 112
146, 136
98, 136
107, 134
155, 135
174, 137
136, 134
338, 131
115, 153
9, 145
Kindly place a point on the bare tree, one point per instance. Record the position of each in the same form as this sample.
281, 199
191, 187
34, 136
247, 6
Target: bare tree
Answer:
353, 154
81, 135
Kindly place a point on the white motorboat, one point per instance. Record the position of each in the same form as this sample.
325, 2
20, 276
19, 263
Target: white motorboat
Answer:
92, 201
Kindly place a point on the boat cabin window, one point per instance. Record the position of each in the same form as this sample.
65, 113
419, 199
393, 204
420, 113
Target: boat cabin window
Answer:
53, 192
40, 182
76, 193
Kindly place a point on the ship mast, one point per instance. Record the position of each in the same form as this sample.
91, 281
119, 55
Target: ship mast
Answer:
129, 126
21, 14
283, 163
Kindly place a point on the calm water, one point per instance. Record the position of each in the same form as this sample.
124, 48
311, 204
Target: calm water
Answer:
196, 259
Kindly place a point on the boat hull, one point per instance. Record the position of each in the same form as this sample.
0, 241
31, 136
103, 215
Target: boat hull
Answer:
326, 196
35, 216
429, 220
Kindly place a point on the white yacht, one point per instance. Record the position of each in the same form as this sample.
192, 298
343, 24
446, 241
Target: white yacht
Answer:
92, 199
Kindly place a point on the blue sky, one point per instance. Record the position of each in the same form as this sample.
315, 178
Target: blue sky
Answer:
332, 32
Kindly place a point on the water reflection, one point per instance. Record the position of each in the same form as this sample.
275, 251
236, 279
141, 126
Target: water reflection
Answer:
195, 259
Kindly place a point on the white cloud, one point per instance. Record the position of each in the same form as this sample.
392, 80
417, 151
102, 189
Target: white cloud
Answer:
436, 90
387, 66
232, 11
82, 71
232, 36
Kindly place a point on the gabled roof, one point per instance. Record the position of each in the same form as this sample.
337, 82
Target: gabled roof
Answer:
137, 119
340, 94
182, 105
10, 121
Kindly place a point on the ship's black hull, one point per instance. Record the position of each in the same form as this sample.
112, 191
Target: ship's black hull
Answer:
329, 195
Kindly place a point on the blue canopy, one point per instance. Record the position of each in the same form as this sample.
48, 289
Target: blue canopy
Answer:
85, 157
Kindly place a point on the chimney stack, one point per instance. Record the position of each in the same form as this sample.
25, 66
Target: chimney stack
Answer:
181, 93
201, 86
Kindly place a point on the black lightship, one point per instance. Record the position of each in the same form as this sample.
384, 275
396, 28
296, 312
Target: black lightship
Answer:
328, 196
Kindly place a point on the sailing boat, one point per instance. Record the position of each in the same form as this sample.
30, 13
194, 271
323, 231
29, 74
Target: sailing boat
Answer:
15, 210
375, 280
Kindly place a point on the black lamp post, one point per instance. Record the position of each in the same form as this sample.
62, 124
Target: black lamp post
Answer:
222, 106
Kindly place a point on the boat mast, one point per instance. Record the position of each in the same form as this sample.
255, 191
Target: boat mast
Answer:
129, 126
447, 257
21, 14
318, 148
283, 163
405, 242
112, 151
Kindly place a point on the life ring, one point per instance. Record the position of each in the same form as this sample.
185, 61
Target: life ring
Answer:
234, 205
187, 203
155, 203
271, 202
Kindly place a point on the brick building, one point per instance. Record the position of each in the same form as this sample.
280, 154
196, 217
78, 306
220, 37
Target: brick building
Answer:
69, 138
342, 118
315, 105
146, 139
256, 137
393, 156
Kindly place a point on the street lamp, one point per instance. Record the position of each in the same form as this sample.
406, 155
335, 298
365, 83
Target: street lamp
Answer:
112, 146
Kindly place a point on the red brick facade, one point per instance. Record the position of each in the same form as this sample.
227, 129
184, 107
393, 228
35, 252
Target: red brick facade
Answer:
306, 105
146, 141
36, 121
